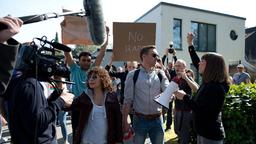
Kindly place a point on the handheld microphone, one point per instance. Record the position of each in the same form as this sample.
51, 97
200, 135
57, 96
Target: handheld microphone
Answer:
96, 23
57, 45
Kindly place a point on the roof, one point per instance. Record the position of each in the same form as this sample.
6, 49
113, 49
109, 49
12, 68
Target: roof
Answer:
250, 30
186, 7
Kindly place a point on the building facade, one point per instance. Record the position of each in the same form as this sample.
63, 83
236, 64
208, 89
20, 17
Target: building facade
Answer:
214, 32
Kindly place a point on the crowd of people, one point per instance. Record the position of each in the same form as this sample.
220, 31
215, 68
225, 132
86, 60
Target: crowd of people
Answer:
103, 111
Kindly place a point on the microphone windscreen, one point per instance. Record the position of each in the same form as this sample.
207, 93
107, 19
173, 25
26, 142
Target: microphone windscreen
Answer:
95, 19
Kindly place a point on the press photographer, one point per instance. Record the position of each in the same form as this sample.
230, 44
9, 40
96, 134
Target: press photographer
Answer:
171, 49
32, 116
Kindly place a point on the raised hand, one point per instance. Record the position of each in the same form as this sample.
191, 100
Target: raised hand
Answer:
190, 37
12, 27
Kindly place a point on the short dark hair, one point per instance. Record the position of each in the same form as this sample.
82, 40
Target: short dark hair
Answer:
215, 69
145, 50
84, 54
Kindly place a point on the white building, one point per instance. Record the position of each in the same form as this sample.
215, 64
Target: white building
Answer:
215, 32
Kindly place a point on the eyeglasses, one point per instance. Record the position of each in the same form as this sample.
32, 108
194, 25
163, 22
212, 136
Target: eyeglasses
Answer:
93, 77
155, 55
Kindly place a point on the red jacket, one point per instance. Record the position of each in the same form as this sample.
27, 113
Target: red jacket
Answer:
114, 118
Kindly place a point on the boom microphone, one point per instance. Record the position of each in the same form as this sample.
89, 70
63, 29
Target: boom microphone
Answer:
27, 20
38, 18
95, 19
93, 11
33, 18
57, 45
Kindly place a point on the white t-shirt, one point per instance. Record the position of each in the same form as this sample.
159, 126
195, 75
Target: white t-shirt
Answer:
95, 132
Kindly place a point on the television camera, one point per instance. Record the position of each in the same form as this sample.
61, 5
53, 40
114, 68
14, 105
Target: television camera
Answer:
41, 61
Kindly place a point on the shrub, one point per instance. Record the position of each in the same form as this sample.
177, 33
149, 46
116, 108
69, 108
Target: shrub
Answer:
239, 114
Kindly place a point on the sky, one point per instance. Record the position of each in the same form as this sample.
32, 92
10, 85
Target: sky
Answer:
113, 10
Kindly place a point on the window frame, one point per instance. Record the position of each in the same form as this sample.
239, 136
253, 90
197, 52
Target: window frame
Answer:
199, 40
180, 34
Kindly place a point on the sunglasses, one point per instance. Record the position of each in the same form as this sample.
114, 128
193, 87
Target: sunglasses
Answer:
155, 55
93, 77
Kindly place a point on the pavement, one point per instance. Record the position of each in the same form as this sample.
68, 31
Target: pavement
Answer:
6, 135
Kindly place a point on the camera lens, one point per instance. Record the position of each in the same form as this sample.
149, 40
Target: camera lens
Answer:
170, 50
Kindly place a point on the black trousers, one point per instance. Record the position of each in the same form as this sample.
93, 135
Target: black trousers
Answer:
169, 116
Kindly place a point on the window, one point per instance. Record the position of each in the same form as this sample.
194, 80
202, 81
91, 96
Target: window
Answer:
204, 36
177, 33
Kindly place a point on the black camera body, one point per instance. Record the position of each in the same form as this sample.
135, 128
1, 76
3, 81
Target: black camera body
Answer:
171, 50
40, 61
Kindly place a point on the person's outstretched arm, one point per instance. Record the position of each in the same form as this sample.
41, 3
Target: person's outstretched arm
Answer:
165, 55
102, 51
69, 58
193, 55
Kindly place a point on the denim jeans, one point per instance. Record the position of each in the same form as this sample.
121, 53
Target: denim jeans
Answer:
152, 128
62, 117
203, 140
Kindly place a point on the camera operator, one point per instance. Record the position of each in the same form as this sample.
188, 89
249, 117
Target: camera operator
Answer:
32, 116
8, 27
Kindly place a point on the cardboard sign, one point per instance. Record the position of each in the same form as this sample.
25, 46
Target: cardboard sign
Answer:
129, 38
74, 30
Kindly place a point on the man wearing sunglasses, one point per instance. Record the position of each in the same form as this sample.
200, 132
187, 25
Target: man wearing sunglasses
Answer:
79, 72
147, 119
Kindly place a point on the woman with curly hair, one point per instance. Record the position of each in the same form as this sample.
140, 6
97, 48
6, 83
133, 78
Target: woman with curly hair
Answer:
100, 116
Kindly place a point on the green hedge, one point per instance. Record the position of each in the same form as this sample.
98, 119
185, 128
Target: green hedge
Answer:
239, 114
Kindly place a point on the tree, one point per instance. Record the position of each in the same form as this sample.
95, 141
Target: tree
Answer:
58, 53
81, 48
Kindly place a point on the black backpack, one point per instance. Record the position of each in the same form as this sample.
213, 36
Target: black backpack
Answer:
136, 74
